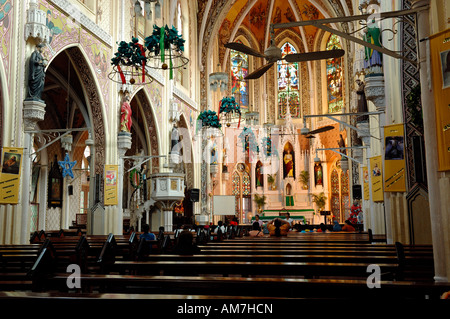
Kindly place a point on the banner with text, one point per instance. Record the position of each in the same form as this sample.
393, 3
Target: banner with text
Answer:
377, 178
440, 64
10, 175
394, 159
111, 174
366, 183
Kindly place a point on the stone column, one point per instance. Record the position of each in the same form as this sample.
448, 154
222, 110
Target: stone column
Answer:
123, 144
33, 112
441, 267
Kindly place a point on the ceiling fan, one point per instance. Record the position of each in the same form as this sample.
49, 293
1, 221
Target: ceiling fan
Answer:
310, 134
273, 54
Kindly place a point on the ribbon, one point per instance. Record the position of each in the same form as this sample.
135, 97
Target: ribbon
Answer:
161, 43
143, 62
121, 74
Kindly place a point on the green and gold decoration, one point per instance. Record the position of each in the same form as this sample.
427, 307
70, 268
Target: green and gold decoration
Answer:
166, 44
130, 61
229, 107
208, 119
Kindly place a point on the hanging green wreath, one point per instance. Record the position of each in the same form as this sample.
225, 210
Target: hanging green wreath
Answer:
130, 54
136, 178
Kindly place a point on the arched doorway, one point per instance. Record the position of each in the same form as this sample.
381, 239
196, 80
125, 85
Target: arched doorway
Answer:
71, 99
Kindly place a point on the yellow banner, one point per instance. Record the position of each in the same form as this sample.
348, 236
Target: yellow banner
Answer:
10, 175
394, 159
440, 64
366, 183
111, 174
377, 178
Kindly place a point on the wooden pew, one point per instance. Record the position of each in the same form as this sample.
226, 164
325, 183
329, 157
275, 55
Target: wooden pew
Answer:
255, 287
246, 268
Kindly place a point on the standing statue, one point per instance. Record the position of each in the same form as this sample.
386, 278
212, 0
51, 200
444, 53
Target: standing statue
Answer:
341, 144
36, 75
373, 60
175, 139
362, 102
125, 115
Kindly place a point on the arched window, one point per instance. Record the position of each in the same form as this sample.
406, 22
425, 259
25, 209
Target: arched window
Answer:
335, 201
239, 70
236, 184
246, 187
334, 77
288, 84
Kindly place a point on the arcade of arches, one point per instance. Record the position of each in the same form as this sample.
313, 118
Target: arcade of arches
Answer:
119, 137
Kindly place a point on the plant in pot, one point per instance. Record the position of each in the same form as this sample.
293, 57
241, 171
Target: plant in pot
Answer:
320, 200
271, 181
260, 201
304, 179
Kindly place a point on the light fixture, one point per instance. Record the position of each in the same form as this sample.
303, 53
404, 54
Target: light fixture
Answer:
218, 80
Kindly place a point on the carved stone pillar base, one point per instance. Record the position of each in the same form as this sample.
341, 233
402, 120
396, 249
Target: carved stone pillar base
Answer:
374, 90
33, 112
364, 132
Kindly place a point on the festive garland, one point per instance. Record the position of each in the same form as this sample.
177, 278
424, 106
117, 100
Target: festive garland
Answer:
229, 105
209, 119
136, 178
162, 39
130, 54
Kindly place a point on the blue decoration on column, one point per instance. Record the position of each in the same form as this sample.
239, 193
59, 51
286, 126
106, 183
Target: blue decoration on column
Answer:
67, 166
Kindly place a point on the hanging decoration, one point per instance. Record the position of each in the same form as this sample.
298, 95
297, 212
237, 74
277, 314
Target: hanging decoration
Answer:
229, 107
248, 140
67, 166
208, 119
267, 146
165, 43
129, 64
135, 178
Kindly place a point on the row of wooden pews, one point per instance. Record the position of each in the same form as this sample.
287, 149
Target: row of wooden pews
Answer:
323, 266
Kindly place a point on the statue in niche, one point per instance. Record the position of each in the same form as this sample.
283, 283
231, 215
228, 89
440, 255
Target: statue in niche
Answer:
362, 102
288, 161
258, 174
36, 74
125, 115
318, 174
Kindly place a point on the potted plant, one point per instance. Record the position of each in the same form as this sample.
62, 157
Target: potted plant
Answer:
320, 200
271, 181
304, 179
259, 201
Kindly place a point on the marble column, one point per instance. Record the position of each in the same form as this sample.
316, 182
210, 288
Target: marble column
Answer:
441, 266
33, 112
123, 144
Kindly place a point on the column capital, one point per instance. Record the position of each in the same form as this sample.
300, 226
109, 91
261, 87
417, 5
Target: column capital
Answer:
33, 112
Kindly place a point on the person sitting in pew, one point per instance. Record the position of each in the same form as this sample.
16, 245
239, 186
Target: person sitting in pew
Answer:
348, 226
256, 230
146, 233
336, 226
278, 227
185, 243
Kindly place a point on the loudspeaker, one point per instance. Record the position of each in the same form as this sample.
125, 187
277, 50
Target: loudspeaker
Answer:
195, 194
357, 192
70, 189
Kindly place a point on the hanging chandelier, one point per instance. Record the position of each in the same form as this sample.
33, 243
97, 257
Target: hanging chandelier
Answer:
165, 48
129, 64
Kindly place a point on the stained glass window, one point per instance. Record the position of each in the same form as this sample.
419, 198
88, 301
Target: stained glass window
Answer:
239, 70
246, 190
334, 77
288, 84
345, 198
236, 184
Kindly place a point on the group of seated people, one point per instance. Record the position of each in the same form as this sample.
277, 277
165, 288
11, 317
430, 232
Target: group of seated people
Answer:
280, 227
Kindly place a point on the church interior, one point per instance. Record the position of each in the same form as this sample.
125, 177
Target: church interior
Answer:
178, 116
